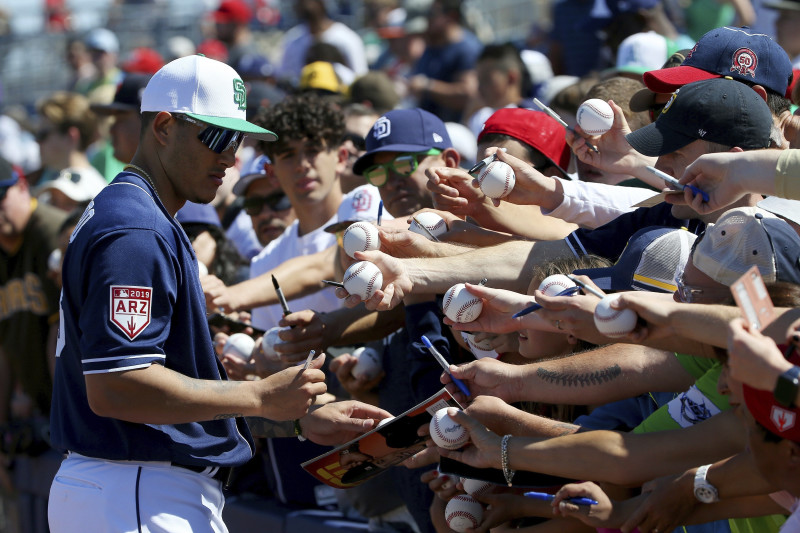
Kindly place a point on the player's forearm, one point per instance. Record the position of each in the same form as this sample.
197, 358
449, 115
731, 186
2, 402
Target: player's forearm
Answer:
506, 266
526, 221
362, 326
157, 395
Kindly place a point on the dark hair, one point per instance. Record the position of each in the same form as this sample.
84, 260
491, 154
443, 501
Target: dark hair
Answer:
326, 52
506, 57
302, 116
228, 264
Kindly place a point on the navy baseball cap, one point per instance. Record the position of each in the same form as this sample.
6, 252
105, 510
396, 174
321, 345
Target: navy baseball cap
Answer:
649, 262
718, 110
192, 213
403, 130
728, 51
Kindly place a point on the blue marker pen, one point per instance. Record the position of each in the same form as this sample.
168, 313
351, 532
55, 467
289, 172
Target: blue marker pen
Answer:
535, 307
380, 212
550, 497
441, 360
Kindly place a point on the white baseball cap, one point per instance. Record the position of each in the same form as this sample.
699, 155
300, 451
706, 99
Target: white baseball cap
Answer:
77, 184
204, 89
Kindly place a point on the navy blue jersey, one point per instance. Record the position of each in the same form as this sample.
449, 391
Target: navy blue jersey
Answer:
132, 298
611, 238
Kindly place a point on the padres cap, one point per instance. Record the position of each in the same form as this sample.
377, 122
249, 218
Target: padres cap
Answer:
534, 128
255, 170
717, 110
776, 418
650, 262
205, 89
735, 52
403, 130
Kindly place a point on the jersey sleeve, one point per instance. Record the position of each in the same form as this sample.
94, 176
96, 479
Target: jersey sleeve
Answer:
128, 301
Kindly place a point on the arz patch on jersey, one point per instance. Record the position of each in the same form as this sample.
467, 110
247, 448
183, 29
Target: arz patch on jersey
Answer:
130, 309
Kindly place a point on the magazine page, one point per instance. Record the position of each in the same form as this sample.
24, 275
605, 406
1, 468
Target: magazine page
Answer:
393, 441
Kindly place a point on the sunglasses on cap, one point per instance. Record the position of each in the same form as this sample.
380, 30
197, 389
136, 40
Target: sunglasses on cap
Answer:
254, 205
216, 138
403, 164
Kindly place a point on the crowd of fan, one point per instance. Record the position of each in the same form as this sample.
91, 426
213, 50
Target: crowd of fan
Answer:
689, 421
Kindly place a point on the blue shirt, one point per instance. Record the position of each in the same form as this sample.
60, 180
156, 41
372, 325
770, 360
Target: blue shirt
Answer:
132, 298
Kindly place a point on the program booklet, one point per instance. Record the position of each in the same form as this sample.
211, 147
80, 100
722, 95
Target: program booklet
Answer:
390, 443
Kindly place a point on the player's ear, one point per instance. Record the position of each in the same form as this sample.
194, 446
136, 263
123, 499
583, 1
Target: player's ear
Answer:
451, 158
161, 126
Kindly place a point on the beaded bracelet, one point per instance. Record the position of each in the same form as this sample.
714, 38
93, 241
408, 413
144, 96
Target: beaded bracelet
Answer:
507, 472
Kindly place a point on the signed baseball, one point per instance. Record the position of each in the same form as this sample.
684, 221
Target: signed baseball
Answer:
447, 433
479, 349
269, 341
595, 116
475, 487
552, 285
613, 322
239, 345
369, 363
497, 179
363, 279
460, 305
360, 237
432, 222
463, 512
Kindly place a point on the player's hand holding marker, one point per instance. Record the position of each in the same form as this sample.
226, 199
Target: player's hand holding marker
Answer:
287, 395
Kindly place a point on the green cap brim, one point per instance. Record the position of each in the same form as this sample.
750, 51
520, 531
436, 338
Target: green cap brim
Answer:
237, 124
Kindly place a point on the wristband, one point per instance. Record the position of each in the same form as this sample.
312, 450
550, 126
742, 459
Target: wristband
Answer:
507, 472
298, 431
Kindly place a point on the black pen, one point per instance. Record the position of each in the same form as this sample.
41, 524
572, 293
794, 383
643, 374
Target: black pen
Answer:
282, 299
334, 283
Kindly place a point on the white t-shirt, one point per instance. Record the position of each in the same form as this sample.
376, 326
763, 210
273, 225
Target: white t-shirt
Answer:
299, 39
590, 205
290, 244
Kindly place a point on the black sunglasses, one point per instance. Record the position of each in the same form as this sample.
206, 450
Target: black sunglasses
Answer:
254, 205
214, 137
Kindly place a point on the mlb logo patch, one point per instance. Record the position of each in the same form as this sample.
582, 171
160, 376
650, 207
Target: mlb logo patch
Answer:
130, 309
782, 418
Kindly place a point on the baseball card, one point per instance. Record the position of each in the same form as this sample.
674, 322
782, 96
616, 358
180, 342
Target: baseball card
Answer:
752, 298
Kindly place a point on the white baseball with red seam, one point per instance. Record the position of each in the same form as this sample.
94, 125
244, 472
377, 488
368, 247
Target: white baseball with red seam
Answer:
446, 432
595, 116
360, 237
613, 322
369, 363
460, 305
432, 222
552, 285
475, 487
479, 349
269, 341
363, 279
463, 512
497, 179
239, 345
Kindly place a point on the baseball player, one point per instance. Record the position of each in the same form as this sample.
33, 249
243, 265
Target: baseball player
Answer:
142, 407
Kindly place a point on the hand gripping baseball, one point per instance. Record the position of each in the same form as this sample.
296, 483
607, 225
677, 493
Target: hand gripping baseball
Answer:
484, 448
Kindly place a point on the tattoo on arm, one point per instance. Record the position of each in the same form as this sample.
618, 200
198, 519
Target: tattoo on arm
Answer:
263, 427
223, 416
569, 379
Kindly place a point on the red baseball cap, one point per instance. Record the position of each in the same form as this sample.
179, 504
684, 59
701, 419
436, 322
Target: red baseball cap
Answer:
777, 419
233, 11
534, 128
143, 61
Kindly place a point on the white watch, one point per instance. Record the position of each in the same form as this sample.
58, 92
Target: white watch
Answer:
704, 491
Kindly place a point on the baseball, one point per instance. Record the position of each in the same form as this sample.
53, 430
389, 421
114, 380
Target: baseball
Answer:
369, 363
363, 279
497, 179
552, 285
269, 341
595, 116
463, 512
446, 433
239, 345
613, 322
479, 349
460, 305
432, 222
475, 487
360, 237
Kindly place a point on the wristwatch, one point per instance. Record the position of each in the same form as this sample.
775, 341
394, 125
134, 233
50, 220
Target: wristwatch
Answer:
704, 491
786, 387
